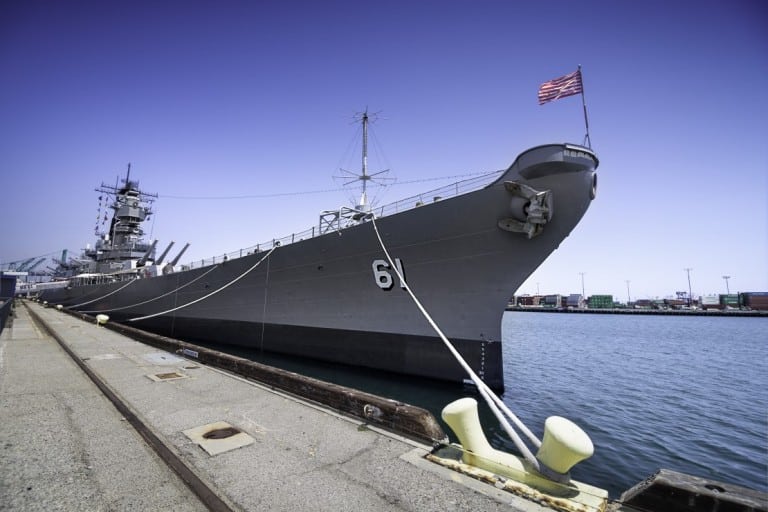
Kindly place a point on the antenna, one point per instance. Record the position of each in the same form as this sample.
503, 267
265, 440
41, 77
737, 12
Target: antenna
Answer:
365, 118
364, 176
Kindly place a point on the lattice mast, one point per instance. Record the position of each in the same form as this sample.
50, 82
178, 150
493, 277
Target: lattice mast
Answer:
364, 177
363, 204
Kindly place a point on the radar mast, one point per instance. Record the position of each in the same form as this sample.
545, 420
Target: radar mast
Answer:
351, 177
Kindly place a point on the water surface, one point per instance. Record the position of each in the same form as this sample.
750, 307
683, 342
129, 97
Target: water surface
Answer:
683, 393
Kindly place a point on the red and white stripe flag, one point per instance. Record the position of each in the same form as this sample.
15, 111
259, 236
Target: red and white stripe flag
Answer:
567, 85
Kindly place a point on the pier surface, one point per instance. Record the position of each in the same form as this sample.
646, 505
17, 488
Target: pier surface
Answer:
72, 442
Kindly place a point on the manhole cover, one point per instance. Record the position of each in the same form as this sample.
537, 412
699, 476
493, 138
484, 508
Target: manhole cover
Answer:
169, 375
221, 433
218, 437
161, 377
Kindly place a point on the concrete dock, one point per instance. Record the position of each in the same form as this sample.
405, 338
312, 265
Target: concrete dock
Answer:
64, 445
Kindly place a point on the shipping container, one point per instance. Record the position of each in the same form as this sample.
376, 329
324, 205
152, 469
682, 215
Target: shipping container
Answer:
755, 300
528, 300
574, 300
709, 302
600, 301
731, 300
675, 303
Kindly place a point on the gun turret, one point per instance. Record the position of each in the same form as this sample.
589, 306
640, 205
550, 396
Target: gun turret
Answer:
144, 258
178, 256
165, 253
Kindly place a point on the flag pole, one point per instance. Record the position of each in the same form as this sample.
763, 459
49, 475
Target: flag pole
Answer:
587, 140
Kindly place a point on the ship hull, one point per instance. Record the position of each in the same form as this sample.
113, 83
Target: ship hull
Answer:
334, 297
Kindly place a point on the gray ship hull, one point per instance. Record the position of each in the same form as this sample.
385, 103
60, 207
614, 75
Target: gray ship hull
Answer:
332, 297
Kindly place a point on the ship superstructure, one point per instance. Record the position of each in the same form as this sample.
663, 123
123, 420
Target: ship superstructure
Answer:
122, 247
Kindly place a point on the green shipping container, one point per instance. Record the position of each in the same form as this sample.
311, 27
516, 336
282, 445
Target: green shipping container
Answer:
600, 301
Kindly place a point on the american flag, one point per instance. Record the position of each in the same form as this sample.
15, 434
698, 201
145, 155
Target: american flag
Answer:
567, 85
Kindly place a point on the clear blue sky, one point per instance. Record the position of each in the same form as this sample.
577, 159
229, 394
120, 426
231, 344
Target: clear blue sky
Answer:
224, 99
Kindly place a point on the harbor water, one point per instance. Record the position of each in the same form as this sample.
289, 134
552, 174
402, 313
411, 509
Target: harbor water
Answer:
684, 393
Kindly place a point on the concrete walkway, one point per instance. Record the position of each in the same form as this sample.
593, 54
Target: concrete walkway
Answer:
64, 446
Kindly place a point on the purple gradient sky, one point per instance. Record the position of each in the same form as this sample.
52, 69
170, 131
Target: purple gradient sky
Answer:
210, 99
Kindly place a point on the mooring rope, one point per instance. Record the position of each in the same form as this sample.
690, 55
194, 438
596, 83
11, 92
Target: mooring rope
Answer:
498, 407
155, 298
103, 296
210, 294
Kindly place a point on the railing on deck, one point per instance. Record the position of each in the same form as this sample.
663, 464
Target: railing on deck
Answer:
448, 191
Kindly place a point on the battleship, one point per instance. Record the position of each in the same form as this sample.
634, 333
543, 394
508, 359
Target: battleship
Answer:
333, 292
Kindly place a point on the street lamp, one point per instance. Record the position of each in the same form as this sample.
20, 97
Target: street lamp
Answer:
727, 288
690, 298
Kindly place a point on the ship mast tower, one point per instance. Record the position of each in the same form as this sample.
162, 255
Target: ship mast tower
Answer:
334, 220
363, 204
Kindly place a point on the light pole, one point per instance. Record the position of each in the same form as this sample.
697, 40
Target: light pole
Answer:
727, 288
537, 289
690, 299
628, 299
582, 284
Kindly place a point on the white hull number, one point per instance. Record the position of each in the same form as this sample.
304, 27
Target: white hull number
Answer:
383, 276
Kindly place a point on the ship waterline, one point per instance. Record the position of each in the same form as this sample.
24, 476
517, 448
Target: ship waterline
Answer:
335, 297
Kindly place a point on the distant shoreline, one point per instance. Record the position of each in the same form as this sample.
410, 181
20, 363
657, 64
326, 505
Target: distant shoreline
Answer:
626, 311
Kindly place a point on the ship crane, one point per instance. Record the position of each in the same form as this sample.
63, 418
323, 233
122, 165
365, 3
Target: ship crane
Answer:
21, 267
35, 264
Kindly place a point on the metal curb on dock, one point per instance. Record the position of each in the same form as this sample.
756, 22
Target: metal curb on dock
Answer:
403, 419
196, 483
